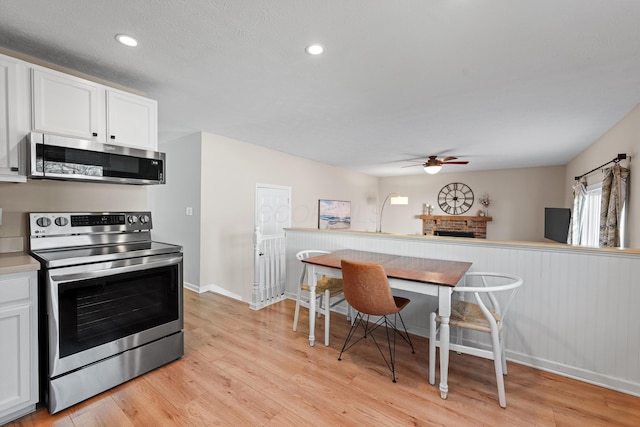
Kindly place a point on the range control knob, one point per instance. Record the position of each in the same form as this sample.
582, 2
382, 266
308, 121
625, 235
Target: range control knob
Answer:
43, 221
144, 219
61, 221
132, 219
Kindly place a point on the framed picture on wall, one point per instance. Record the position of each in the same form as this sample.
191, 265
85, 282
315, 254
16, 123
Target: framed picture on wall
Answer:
334, 214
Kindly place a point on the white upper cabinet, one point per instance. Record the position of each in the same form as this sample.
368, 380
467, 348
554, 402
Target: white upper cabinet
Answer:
11, 85
67, 105
132, 120
71, 106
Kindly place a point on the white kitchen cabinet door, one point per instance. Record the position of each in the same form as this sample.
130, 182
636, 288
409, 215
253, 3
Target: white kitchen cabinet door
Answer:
132, 120
19, 349
9, 138
68, 105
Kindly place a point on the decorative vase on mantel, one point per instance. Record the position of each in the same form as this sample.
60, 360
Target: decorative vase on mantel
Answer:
485, 202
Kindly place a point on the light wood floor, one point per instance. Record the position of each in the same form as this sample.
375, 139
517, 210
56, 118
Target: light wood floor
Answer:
247, 368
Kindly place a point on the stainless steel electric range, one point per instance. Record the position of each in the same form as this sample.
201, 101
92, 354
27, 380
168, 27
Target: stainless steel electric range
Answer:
111, 301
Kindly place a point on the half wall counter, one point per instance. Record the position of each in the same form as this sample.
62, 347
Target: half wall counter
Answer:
576, 314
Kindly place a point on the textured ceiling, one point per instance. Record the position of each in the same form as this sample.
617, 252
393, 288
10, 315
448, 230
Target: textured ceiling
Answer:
501, 83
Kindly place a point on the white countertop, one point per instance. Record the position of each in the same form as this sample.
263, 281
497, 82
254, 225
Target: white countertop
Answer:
478, 242
17, 262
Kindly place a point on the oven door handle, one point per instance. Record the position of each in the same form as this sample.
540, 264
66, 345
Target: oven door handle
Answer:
129, 267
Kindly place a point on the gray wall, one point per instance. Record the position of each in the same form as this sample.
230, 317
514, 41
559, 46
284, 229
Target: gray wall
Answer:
168, 203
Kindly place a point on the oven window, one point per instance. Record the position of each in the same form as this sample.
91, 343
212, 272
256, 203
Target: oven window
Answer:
98, 311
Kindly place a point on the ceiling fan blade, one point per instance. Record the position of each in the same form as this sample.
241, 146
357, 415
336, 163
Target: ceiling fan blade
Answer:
446, 159
410, 166
455, 163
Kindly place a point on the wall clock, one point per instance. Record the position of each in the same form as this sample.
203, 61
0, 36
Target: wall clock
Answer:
455, 198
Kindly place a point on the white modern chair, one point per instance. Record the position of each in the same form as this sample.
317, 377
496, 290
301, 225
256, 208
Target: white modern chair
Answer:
328, 294
484, 314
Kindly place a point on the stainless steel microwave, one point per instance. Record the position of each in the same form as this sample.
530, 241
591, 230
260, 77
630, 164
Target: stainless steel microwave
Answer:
63, 158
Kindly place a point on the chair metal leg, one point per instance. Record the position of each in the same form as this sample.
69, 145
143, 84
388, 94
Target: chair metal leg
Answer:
354, 326
392, 352
406, 336
389, 325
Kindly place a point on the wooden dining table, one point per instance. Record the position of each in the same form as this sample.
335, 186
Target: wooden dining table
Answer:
425, 276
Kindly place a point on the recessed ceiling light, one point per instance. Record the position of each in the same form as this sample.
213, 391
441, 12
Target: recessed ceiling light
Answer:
127, 40
314, 49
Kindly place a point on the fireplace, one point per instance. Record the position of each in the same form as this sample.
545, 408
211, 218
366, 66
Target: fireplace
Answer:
455, 225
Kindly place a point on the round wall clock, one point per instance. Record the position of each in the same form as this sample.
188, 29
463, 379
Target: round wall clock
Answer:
455, 198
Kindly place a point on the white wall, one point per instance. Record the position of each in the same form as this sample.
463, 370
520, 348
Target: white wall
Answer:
624, 137
168, 203
229, 172
518, 198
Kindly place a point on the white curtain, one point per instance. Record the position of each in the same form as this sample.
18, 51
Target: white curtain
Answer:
613, 207
577, 217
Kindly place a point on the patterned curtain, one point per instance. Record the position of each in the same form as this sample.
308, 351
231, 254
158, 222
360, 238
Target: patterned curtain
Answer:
575, 226
614, 198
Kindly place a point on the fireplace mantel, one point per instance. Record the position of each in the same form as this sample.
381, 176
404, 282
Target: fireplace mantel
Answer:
475, 224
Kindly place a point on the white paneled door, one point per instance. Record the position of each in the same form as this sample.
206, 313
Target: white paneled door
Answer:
273, 215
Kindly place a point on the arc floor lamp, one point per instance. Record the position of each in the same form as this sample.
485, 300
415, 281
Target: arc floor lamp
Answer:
394, 199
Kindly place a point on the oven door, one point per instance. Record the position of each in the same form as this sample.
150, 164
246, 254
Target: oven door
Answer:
95, 311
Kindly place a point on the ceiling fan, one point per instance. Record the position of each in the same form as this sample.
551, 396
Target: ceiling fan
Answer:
433, 164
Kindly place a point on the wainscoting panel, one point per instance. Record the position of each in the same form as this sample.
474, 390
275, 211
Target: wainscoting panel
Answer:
576, 314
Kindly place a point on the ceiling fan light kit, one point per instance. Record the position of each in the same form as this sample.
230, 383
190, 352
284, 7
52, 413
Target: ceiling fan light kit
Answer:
433, 169
434, 164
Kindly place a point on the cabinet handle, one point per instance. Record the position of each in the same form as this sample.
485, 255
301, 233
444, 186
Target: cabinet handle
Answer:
95, 134
15, 169
113, 137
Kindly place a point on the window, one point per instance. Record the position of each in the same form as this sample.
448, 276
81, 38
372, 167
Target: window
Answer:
590, 231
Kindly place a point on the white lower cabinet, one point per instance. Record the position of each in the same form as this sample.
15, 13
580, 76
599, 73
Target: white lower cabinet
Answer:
19, 349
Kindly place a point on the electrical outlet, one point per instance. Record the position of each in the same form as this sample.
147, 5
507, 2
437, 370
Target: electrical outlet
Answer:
189, 211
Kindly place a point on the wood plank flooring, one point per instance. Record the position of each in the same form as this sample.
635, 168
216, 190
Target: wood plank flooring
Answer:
248, 368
